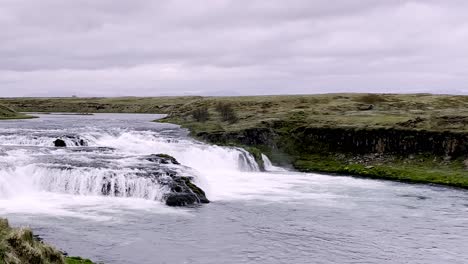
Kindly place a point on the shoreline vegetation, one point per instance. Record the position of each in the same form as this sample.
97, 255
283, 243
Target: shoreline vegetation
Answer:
20, 245
420, 138
8, 113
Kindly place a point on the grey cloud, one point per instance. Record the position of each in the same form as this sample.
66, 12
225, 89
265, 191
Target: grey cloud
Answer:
117, 47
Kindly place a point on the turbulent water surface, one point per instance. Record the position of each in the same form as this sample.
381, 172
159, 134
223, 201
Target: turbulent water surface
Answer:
255, 217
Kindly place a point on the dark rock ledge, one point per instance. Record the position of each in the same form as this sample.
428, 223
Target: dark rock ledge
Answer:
183, 190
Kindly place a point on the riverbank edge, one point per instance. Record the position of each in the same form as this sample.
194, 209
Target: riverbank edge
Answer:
274, 142
17, 116
20, 245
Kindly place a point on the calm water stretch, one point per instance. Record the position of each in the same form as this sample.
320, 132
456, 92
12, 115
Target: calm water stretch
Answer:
277, 216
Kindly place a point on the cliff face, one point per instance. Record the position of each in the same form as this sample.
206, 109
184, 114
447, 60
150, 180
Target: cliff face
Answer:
295, 141
250, 137
414, 156
382, 141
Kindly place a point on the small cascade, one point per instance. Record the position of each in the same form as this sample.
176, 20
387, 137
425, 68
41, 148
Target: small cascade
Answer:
269, 166
81, 181
202, 157
42, 140
87, 158
26, 140
247, 161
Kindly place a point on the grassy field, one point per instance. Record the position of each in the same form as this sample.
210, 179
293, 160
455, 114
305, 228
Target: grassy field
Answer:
417, 111
419, 169
428, 112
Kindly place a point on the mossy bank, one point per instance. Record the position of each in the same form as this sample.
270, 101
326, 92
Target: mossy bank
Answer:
20, 246
8, 113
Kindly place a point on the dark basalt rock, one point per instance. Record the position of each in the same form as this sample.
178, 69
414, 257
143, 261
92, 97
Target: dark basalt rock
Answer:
180, 199
162, 159
184, 192
60, 143
76, 140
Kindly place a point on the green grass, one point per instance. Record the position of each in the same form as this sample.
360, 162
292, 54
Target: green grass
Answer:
437, 112
77, 260
8, 113
419, 169
19, 246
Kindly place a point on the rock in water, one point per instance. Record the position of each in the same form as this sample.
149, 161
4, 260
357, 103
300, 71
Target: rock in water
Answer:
162, 159
184, 192
60, 143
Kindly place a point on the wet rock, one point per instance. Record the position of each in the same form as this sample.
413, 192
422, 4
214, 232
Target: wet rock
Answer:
162, 159
180, 199
184, 192
60, 143
76, 140
181, 189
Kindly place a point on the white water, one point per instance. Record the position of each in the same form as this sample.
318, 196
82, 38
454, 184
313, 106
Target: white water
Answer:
269, 166
32, 169
111, 159
277, 216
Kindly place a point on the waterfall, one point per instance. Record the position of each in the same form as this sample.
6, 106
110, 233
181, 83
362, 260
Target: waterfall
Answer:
30, 163
269, 166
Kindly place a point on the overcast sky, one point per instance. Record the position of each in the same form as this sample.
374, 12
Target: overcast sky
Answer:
221, 47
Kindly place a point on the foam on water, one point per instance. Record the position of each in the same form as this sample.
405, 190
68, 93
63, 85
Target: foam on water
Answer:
269, 166
31, 166
111, 160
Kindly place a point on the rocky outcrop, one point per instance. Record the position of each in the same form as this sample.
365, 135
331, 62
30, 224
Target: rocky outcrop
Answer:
292, 140
250, 137
162, 159
182, 189
380, 140
60, 143
184, 192
157, 177
76, 141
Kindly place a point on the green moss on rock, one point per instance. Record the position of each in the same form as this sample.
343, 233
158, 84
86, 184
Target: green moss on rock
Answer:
77, 260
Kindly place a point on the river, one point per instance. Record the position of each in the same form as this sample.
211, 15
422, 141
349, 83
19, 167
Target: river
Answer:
278, 216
